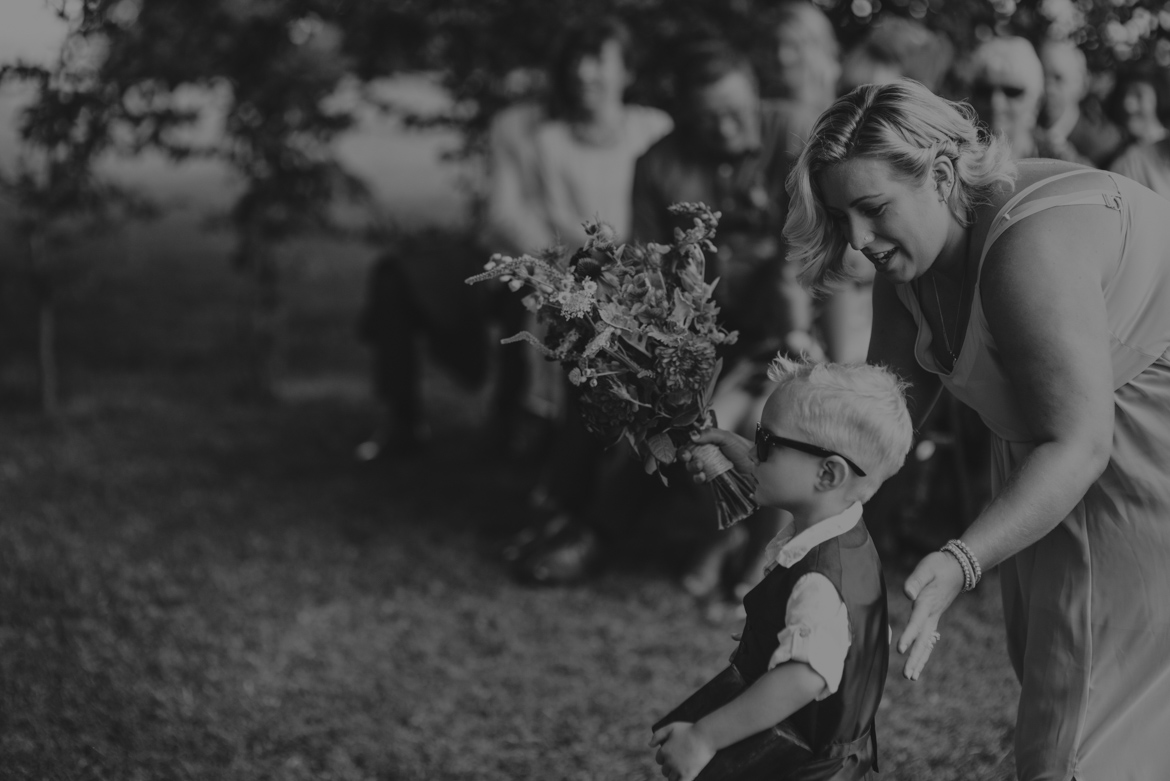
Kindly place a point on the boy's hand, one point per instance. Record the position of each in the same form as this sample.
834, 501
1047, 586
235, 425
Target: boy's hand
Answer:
735, 448
683, 751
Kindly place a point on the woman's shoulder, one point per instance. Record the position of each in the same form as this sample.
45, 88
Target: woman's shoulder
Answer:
646, 124
552, 133
1035, 174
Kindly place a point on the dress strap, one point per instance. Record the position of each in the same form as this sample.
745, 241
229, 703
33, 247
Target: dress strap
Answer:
1006, 217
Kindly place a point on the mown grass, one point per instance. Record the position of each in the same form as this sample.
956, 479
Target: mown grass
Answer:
192, 587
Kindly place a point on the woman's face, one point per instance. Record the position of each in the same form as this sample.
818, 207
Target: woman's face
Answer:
726, 115
1140, 102
601, 78
901, 227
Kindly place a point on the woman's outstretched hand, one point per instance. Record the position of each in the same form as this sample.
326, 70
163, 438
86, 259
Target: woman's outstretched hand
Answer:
735, 448
933, 586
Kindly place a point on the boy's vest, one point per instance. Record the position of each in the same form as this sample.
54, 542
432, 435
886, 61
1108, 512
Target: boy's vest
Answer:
842, 724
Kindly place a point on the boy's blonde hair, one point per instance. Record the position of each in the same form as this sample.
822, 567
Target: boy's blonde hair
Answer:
856, 409
907, 126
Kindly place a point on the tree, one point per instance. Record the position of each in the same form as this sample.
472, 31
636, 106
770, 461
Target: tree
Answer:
59, 197
282, 67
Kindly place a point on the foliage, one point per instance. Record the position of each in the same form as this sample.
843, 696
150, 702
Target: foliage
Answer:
479, 46
635, 327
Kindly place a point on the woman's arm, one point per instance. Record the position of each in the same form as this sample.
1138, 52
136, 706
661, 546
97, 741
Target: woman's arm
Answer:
891, 344
515, 220
1041, 292
1047, 316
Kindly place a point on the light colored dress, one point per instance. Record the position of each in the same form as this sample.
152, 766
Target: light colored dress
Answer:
1147, 164
1087, 607
585, 181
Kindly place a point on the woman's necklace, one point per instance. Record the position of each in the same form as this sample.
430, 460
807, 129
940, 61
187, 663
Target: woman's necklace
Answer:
948, 342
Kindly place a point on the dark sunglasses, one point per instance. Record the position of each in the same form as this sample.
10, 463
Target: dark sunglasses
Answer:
985, 91
766, 440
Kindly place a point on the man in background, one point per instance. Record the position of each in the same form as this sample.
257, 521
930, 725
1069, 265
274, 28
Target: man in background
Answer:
1073, 126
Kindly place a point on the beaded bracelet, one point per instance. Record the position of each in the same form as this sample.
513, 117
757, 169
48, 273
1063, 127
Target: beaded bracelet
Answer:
967, 562
968, 573
971, 558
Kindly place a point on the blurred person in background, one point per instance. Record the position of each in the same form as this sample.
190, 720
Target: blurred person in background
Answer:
1006, 87
585, 156
1140, 102
732, 150
417, 293
549, 169
808, 59
1147, 158
586, 152
894, 48
1073, 127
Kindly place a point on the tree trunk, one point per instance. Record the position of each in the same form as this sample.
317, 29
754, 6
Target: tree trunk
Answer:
42, 284
264, 318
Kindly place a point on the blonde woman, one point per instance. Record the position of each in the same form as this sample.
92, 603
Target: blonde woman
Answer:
1039, 294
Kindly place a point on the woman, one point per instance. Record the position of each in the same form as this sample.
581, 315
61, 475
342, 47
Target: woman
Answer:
1145, 104
585, 157
587, 152
1038, 295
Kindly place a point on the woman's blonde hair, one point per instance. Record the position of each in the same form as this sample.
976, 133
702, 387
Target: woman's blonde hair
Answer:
907, 126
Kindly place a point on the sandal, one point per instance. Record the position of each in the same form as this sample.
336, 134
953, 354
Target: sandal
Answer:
532, 536
569, 557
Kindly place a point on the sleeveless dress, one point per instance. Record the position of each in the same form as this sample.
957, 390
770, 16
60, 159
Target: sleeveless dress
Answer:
1087, 607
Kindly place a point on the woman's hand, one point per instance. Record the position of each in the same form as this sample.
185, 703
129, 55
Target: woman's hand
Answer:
735, 448
933, 586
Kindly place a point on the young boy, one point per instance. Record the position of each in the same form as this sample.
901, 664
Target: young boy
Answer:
815, 648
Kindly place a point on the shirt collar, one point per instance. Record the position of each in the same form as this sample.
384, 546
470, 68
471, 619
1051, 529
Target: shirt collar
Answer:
787, 547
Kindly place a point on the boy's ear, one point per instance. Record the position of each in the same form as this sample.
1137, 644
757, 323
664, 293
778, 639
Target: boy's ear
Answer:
832, 474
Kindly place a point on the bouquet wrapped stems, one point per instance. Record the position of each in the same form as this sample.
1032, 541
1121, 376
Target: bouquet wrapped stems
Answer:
733, 489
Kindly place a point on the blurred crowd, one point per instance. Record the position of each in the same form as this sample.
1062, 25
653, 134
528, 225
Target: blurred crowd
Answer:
580, 150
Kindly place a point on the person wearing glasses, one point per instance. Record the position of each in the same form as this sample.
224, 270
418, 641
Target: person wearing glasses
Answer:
1006, 88
815, 648
1038, 293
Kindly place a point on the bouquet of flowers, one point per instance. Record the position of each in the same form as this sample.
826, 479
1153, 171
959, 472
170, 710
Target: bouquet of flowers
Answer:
635, 327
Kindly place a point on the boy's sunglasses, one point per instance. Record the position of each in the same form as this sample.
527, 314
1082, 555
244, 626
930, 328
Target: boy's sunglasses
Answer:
1010, 91
765, 440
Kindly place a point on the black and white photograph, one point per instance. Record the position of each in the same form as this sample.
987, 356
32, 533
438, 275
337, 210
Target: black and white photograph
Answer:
608, 390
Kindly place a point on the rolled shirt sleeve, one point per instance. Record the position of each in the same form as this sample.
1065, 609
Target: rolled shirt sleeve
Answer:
816, 631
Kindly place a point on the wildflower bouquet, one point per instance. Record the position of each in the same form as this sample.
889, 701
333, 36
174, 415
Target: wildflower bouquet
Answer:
635, 327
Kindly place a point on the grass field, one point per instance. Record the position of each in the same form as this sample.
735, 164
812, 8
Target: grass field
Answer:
192, 587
